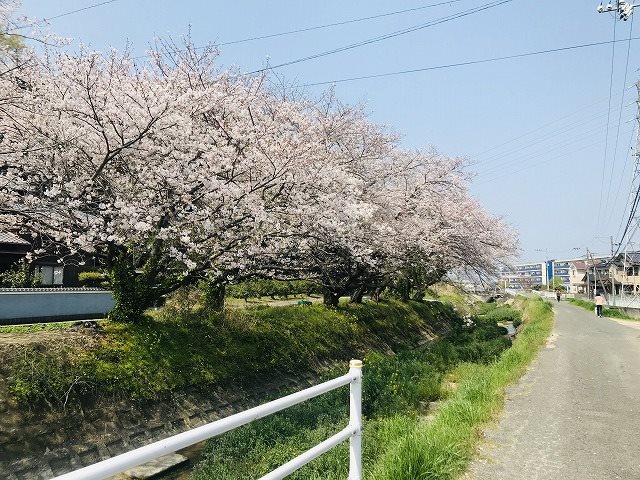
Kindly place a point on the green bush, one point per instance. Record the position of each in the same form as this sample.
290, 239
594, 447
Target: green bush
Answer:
272, 288
615, 313
501, 314
21, 275
49, 377
607, 312
93, 279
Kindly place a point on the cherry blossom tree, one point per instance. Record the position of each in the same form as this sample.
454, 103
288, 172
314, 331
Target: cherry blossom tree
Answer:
164, 173
173, 172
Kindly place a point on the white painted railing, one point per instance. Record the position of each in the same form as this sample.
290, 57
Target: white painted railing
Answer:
353, 431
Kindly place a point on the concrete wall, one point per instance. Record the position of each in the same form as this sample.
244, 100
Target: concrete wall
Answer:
33, 306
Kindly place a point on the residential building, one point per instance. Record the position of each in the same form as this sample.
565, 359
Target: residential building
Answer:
577, 271
597, 277
52, 273
562, 269
624, 272
12, 249
524, 276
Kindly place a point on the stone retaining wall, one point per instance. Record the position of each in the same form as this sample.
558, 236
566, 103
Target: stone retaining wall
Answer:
44, 445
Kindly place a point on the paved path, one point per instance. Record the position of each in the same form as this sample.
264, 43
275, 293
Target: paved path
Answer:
576, 412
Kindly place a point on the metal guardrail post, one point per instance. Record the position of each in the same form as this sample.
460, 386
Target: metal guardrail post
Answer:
355, 421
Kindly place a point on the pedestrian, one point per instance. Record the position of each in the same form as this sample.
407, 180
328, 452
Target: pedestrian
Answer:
558, 295
599, 304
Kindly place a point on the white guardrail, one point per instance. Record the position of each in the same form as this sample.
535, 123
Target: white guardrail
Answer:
353, 432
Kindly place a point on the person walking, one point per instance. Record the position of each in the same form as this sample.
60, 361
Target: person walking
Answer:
599, 304
558, 295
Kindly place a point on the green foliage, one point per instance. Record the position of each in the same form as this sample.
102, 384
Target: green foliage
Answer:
272, 288
615, 313
44, 376
186, 347
35, 327
10, 42
557, 285
93, 279
20, 276
395, 389
131, 291
442, 449
587, 305
607, 312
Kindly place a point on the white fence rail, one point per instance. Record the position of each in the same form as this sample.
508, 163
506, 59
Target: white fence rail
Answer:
353, 431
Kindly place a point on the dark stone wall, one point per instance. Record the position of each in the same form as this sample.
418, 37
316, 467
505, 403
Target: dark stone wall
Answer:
39, 444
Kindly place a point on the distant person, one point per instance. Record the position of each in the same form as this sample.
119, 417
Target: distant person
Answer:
558, 295
599, 304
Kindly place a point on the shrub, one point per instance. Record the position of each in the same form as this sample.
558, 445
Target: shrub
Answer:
272, 288
93, 279
20, 276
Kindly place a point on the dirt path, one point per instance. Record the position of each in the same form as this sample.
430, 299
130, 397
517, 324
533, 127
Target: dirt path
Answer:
576, 412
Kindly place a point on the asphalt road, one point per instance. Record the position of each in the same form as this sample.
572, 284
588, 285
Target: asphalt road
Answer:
576, 413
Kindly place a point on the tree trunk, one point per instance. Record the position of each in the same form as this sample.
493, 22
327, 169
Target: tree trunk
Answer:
213, 292
131, 292
357, 294
331, 297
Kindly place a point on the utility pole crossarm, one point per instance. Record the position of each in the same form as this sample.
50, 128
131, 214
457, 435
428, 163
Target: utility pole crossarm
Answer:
624, 9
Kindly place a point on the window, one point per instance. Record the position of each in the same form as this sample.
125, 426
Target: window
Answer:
51, 275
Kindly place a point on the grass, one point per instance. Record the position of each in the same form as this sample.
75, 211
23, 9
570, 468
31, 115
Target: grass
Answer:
179, 348
397, 390
607, 312
36, 327
442, 450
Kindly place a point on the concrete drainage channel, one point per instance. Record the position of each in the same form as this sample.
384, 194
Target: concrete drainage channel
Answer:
175, 466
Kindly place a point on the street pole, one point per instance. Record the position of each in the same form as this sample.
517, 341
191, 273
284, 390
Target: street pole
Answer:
622, 8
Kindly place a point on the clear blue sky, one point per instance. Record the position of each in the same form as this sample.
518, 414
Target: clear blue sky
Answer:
534, 127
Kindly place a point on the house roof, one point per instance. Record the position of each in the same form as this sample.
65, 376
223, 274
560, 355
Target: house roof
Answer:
579, 264
630, 258
10, 238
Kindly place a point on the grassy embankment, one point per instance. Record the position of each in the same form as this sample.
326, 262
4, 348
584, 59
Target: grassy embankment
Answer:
443, 449
401, 440
181, 347
607, 312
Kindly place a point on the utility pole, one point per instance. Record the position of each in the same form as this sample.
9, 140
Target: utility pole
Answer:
622, 8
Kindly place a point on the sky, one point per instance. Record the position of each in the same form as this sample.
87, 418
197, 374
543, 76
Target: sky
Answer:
549, 137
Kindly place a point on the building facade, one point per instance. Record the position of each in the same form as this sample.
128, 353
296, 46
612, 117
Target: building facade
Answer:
52, 273
561, 269
524, 276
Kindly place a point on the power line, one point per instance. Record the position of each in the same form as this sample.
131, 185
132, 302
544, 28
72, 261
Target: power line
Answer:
470, 62
606, 137
317, 27
538, 140
624, 89
564, 141
493, 179
543, 127
624, 169
517, 161
337, 24
380, 38
88, 7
